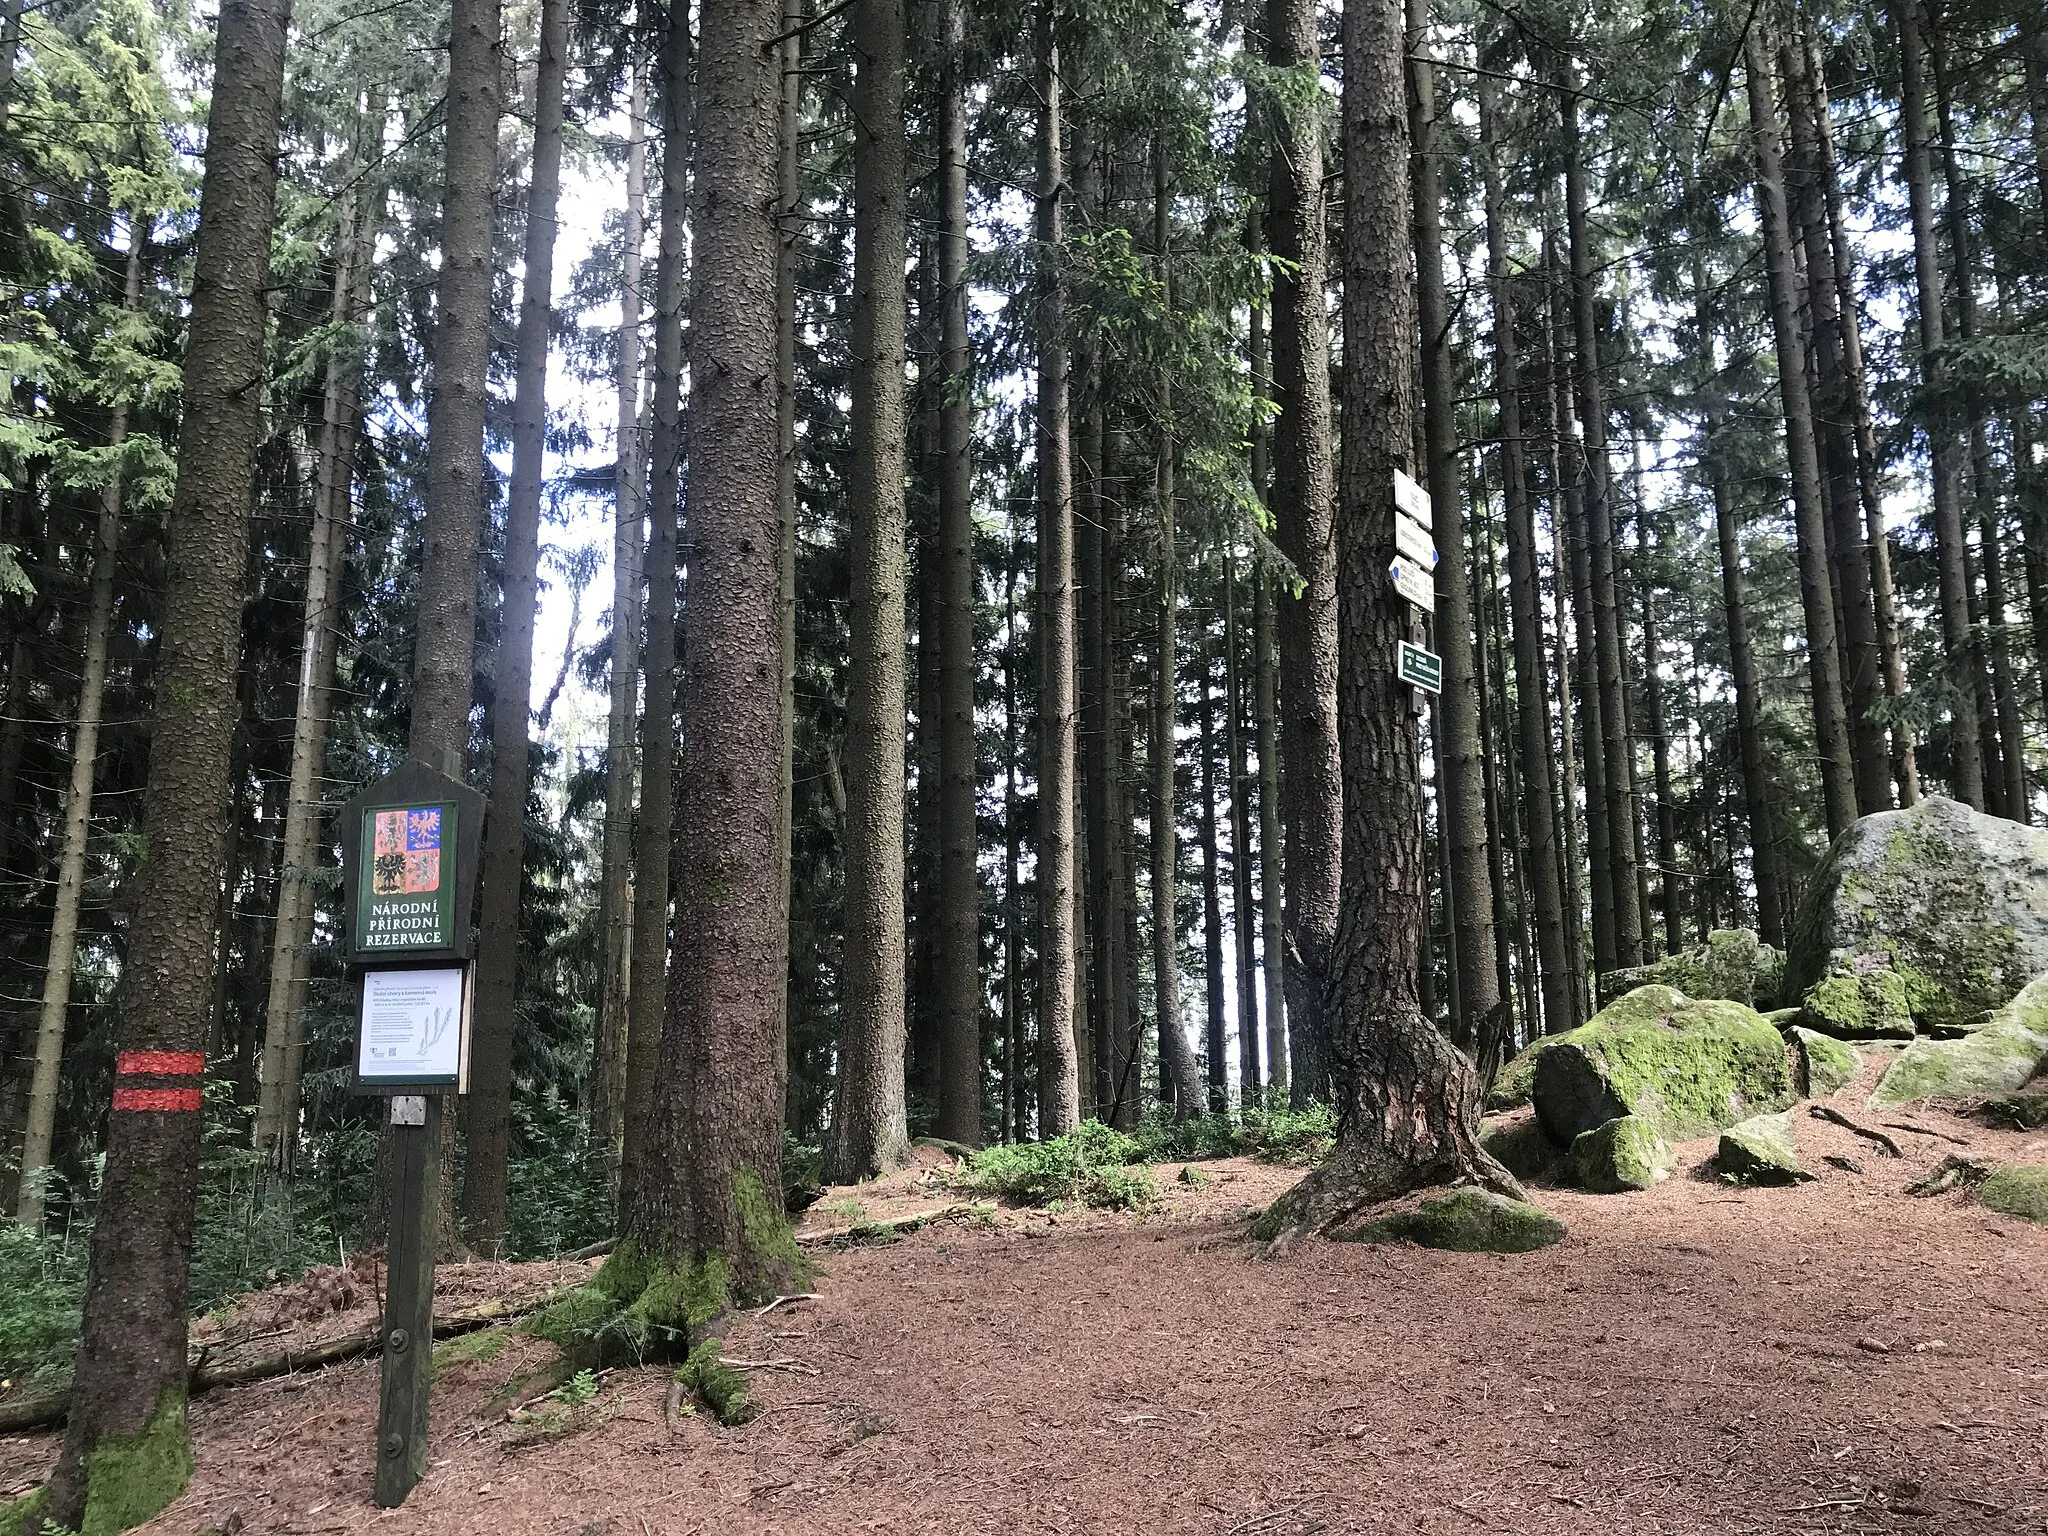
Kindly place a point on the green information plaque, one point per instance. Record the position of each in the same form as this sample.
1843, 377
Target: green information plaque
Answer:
406, 866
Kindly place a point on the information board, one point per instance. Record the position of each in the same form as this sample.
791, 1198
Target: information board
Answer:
414, 1031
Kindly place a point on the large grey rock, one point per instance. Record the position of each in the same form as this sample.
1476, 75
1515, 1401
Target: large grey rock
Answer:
2001, 1058
1956, 899
1825, 1063
1686, 1066
1732, 965
1760, 1151
1619, 1156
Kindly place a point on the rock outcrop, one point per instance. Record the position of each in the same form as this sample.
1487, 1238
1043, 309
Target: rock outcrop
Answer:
1732, 966
1622, 1155
1760, 1151
1684, 1066
2000, 1058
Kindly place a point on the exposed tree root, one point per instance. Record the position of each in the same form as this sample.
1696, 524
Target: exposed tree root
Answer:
1835, 1116
1355, 1180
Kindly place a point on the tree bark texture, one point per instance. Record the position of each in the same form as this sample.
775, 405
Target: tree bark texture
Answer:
130, 1381
488, 1109
959, 937
39, 1131
1304, 507
870, 1128
653, 879
1059, 1095
713, 1177
629, 540
1478, 1029
1406, 1098
1823, 652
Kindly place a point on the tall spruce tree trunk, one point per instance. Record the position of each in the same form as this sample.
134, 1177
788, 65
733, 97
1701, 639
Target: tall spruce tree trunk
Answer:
1407, 1100
1525, 597
1479, 1028
1266, 706
1092, 545
291, 949
959, 938
126, 1453
1181, 1078
1823, 653
1756, 789
39, 1130
1304, 506
708, 1198
1966, 745
653, 879
1869, 471
1843, 511
1017, 1103
629, 539
1059, 1096
1615, 748
1660, 734
1250, 1056
1216, 1037
488, 1110
870, 1131
789, 203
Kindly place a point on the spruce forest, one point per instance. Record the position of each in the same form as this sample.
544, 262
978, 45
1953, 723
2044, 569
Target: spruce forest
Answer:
1192, 766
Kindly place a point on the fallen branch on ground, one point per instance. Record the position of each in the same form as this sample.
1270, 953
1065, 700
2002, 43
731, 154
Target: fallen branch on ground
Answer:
783, 1301
783, 1363
44, 1412
1829, 1113
1926, 1130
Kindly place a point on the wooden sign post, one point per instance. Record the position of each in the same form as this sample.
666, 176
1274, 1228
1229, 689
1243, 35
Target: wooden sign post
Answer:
409, 863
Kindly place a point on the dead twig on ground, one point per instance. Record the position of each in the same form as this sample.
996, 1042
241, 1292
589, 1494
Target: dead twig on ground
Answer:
783, 1363
782, 1301
1926, 1130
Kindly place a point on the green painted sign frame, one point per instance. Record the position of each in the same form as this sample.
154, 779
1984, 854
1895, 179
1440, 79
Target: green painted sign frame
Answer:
1420, 669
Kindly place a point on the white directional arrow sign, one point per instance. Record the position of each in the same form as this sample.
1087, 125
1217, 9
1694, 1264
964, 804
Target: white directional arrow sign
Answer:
1415, 583
1414, 542
1411, 500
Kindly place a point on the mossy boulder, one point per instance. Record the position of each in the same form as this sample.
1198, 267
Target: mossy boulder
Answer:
1467, 1221
1862, 998
1823, 1064
2022, 1111
1956, 902
1518, 1144
1685, 1066
1516, 1081
1733, 966
1624, 1154
2002, 1057
1760, 1151
2017, 1192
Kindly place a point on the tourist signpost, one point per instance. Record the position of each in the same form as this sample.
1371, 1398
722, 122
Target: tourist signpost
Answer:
1423, 669
409, 864
1415, 558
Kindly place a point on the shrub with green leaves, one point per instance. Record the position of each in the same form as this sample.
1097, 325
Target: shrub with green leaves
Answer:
1092, 1166
41, 1282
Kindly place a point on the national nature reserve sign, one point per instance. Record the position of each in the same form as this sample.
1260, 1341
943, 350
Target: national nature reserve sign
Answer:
407, 899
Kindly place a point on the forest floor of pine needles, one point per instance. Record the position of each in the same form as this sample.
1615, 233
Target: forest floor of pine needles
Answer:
1836, 1357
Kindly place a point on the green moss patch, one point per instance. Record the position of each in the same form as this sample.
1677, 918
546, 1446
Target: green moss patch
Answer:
1516, 1081
1825, 1065
722, 1389
1732, 965
1859, 1001
2000, 1058
1466, 1221
1623, 1154
132, 1478
1760, 1151
2022, 1111
1686, 1066
2017, 1192
485, 1345
24, 1516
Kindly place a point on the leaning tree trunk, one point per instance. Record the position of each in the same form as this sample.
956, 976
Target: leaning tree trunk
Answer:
1625, 920
1407, 1100
959, 937
291, 947
126, 1453
39, 1132
1479, 1028
708, 1198
1059, 1091
1966, 748
1304, 505
488, 1110
1823, 654
1525, 597
608, 1072
870, 1126
653, 824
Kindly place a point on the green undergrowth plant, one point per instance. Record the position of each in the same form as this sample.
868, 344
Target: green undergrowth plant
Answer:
1271, 1130
1094, 1166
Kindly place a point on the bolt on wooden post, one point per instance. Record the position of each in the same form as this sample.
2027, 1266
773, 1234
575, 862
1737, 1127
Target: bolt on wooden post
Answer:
409, 863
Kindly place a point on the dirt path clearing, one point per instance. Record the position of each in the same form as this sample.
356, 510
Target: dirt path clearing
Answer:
1833, 1358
